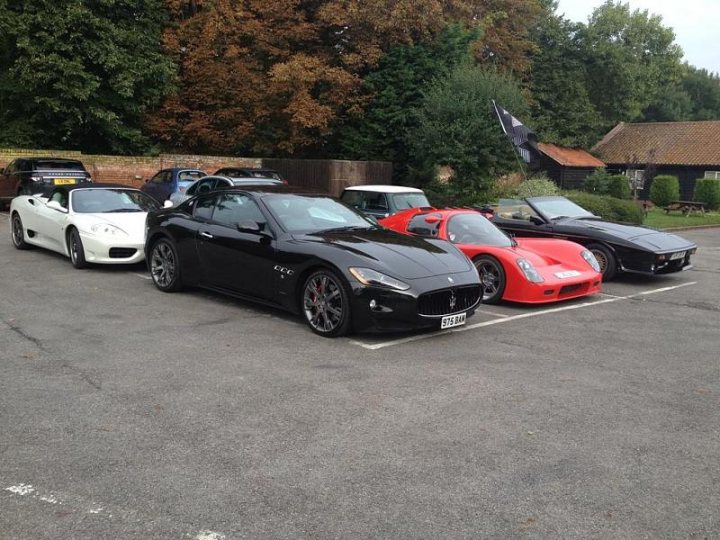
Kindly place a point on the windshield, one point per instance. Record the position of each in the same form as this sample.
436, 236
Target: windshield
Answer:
301, 214
403, 201
59, 165
92, 201
475, 229
557, 208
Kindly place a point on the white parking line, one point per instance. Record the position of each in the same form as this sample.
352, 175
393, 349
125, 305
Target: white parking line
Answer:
409, 339
494, 314
144, 276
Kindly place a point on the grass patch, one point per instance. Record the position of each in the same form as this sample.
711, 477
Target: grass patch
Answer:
659, 219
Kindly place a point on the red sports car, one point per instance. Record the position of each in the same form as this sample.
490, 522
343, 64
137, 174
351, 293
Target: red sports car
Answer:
528, 270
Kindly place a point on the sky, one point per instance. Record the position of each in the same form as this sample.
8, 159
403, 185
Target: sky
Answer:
695, 23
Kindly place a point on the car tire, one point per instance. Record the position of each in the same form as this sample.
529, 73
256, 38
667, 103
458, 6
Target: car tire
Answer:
76, 250
606, 259
492, 278
18, 233
325, 304
165, 266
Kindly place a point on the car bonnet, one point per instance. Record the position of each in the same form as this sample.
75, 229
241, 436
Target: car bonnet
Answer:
397, 254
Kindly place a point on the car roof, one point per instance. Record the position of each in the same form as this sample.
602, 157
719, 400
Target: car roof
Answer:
384, 188
94, 185
273, 189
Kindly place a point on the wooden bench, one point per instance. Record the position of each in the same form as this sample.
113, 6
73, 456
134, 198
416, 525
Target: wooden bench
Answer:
686, 207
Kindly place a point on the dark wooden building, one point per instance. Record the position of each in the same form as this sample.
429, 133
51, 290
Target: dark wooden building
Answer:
688, 150
568, 167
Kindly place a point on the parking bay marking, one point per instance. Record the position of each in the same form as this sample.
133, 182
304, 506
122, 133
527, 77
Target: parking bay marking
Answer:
409, 339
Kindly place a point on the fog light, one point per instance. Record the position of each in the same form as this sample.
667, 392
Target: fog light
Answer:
373, 304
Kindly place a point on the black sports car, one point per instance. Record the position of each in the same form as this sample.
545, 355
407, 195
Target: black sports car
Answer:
313, 255
616, 246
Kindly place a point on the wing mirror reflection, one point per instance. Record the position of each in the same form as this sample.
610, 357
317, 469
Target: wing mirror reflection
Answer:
249, 226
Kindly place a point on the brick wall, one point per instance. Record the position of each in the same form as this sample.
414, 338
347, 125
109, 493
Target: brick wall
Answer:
330, 176
132, 170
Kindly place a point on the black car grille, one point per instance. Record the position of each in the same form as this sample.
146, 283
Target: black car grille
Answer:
440, 303
569, 289
122, 253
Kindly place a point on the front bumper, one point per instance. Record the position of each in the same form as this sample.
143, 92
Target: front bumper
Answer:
112, 250
386, 310
555, 289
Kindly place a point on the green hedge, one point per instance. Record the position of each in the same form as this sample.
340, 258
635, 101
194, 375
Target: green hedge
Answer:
707, 190
664, 189
601, 182
609, 208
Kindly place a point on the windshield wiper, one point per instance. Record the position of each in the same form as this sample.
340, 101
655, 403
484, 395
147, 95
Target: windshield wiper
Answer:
114, 210
559, 217
348, 228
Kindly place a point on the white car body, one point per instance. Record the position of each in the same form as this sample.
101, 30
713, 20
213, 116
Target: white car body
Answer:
48, 226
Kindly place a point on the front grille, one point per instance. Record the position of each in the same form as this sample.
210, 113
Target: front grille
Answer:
438, 303
567, 289
122, 253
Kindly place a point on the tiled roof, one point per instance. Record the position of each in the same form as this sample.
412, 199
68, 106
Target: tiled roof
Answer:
570, 157
662, 143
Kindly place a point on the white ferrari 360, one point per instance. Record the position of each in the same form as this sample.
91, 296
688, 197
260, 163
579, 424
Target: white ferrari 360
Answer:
90, 223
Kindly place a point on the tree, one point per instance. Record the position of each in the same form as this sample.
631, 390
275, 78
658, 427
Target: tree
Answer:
703, 88
380, 132
561, 104
631, 59
80, 75
456, 126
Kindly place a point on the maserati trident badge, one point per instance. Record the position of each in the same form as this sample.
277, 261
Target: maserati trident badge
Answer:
453, 300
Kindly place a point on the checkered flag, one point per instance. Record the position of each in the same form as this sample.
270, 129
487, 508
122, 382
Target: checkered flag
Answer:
523, 139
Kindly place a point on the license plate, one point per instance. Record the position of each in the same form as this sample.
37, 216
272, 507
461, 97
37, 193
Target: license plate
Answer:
678, 255
567, 274
453, 320
63, 181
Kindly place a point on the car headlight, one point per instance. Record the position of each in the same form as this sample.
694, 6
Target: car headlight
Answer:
529, 271
107, 229
591, 260
366, 276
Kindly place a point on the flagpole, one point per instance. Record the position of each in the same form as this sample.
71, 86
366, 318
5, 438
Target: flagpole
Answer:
515, 152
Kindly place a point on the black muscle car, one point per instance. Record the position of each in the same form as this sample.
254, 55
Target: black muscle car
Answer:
617, 247
312, 255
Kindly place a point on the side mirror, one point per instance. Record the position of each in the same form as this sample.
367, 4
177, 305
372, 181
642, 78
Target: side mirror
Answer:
535, 220
167, 204
249, 227
56, 206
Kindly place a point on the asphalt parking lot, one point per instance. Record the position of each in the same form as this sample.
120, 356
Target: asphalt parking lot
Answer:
129, 413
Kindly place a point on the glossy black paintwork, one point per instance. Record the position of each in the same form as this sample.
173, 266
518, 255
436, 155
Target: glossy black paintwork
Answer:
271, 266
636, 247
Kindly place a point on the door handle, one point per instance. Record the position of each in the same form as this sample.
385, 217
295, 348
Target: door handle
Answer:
206, 235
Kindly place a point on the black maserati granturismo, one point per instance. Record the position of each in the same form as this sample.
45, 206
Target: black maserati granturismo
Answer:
312, 255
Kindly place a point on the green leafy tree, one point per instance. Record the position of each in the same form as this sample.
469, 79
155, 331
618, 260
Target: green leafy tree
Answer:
380, 131
457, 127
561, 104
630, 59
703, 89
80, 75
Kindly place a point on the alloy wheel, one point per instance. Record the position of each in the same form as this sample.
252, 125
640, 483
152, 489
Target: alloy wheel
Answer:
601, 259
489, 279
17, 231
323, 304
163, 264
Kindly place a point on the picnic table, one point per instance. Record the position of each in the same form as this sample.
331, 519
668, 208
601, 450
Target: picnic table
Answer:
686, 207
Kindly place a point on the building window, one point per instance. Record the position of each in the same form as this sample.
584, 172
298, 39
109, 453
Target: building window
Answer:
637, 178
712, 174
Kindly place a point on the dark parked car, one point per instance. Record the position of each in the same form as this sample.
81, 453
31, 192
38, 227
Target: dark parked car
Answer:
312, 255
209, 183
168, 181
381, 201
617, 247
250, 172
26, 176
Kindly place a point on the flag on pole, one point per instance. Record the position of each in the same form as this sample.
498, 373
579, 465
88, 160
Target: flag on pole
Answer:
524, 140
